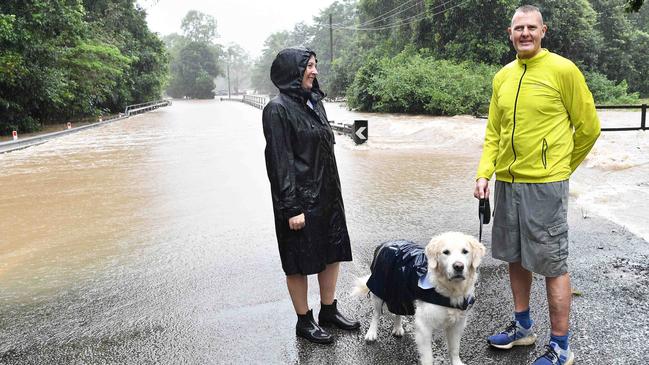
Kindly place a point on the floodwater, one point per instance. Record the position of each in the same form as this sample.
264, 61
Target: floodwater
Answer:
150, 240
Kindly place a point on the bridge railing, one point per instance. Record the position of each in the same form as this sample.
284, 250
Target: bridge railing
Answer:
20, 143
257, 101
357, 131
643, 116
145, 107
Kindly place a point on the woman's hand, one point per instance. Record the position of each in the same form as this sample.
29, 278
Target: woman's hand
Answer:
296, 223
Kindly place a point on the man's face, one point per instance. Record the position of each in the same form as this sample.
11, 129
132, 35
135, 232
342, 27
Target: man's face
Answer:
526, 33
309, 74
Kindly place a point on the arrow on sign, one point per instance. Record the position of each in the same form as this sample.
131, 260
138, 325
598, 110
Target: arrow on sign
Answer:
359, 133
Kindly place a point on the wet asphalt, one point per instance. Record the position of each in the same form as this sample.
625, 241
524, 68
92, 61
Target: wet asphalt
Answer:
206, 287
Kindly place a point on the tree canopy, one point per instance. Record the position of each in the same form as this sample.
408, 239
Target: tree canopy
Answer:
600, 36
196, 60
64, 59
199, 27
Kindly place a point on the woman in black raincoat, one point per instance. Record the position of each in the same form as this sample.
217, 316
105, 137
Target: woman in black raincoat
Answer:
307, 201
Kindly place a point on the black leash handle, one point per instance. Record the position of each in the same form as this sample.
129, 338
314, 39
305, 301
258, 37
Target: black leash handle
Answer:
484, 214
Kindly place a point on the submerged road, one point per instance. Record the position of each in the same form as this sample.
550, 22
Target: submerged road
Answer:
151, 241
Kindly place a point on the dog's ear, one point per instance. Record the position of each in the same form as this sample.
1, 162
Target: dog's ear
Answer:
477, 251
432, 251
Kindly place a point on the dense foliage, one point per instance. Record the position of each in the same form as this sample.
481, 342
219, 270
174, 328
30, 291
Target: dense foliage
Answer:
65, 59
195, 58
413, 83
315, 37
438, 56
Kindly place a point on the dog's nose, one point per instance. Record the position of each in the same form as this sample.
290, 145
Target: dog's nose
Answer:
458, 267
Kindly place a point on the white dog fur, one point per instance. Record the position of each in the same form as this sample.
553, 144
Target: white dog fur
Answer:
442, 252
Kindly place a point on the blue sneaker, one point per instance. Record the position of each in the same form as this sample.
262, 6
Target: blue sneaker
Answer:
513, 335
555, 355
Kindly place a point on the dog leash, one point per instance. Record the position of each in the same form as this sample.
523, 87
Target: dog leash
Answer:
484, 214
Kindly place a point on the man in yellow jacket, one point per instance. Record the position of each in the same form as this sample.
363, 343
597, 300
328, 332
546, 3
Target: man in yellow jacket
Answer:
542, 124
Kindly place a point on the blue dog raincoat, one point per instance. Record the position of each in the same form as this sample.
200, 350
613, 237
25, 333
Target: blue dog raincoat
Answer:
398, 277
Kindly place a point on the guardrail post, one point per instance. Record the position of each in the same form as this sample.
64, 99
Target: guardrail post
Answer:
14, 134
359, 131
643, 121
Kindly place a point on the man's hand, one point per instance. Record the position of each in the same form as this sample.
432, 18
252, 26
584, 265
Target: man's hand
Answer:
296, 223
481, 189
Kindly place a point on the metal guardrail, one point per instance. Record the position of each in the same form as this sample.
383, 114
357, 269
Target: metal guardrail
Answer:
643, 116
21, 143
145, 107
257, 101
357, 131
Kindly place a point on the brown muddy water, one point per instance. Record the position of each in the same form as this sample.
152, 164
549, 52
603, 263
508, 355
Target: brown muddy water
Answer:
128, 242
151, 239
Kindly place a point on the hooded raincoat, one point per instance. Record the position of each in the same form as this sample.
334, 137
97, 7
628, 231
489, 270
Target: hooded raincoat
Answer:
302, 170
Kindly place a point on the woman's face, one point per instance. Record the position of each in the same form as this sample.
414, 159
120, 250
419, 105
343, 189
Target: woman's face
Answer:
309, 74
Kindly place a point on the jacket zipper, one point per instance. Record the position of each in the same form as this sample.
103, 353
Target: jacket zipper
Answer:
520, 82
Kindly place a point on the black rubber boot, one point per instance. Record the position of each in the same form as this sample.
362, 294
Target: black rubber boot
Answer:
307, 328
329, 315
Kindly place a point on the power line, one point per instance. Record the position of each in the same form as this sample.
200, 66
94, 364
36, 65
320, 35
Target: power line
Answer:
382, 16
390, 13
408, 20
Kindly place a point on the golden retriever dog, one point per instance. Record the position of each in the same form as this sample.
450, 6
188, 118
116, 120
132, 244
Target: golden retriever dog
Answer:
435, 283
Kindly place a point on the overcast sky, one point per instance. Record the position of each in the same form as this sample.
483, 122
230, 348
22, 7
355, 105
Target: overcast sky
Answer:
245, 22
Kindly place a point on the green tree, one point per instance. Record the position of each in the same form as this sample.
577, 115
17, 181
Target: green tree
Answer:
343, 14
473, 30
316, 37
413, 83
57, 62
123, 25
239, 66
606, 91
633, 5
195, 58
199, 27
640, 19
624, 42
261, 70
194, 70
595, 34
571, 30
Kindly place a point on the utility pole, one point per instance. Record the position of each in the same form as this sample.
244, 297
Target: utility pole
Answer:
228, 70
331, 40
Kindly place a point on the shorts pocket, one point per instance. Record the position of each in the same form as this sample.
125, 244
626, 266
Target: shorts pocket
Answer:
558, 229
552, 241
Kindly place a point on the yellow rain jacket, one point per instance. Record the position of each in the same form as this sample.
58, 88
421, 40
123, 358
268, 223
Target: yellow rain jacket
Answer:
542, 121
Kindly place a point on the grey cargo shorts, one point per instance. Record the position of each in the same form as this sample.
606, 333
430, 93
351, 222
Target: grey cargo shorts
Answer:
530, 226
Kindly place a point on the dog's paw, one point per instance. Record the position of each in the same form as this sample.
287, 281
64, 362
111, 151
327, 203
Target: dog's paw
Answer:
398, 331
370, 336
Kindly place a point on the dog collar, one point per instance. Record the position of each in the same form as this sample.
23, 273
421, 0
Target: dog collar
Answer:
430, 295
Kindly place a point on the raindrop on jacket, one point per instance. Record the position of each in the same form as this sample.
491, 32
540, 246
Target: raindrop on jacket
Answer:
302, 170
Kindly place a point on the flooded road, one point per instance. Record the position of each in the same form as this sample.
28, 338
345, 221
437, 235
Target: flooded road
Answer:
151, 240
